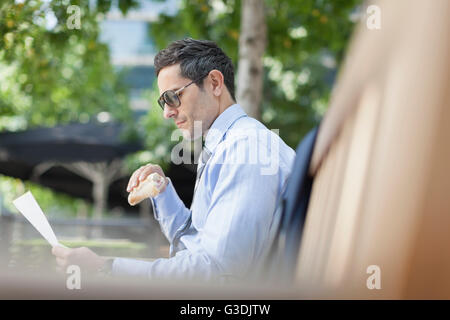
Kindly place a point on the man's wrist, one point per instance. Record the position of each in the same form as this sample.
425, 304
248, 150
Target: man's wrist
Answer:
167, 203
106, 267
166, 184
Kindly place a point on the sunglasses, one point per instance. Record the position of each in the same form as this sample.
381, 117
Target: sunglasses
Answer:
172, 97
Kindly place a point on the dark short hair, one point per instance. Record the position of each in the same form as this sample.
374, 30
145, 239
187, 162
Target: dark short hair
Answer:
197, 58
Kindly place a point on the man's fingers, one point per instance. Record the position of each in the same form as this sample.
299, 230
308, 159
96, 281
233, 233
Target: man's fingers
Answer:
139, 175
133, 180
146, 172
60, 251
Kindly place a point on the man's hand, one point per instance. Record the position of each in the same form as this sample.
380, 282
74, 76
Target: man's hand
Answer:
83, 257
142, 173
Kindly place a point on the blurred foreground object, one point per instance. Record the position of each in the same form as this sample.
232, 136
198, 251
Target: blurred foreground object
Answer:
381, 163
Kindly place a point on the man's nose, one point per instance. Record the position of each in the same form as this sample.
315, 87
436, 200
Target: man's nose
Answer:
169, 112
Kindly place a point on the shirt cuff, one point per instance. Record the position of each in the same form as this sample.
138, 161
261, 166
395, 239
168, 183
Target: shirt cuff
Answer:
168, 202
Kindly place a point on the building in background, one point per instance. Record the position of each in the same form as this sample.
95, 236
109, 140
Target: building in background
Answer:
132, 48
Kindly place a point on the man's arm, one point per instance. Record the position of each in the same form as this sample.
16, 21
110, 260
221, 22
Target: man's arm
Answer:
168, 209
170, 212
235, 232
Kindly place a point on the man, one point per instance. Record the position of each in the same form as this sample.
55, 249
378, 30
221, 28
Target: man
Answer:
226, 231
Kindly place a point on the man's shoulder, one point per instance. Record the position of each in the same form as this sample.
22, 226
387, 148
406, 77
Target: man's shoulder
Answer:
246, 129
250, 130
248, 122
253, 136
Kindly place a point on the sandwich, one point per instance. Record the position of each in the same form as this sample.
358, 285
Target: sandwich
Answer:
150, 187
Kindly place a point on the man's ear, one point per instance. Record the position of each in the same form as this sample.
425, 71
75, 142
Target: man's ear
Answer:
217, 82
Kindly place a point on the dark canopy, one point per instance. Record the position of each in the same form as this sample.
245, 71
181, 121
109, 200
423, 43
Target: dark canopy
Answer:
23, 154
91, 142
47, 156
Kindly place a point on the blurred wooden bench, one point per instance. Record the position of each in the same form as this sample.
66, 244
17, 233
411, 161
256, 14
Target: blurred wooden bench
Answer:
382, 163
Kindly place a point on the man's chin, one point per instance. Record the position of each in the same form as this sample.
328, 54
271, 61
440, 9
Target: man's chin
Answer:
189, 132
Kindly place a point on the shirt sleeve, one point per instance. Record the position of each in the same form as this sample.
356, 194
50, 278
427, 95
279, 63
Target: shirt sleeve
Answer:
236, 229
170, 211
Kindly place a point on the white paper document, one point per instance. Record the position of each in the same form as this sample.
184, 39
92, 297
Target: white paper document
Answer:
28, 206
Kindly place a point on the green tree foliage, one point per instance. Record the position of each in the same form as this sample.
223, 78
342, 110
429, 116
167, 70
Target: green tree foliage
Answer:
306, 43
52, 74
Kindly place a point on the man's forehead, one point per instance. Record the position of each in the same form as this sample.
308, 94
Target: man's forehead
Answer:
169, 78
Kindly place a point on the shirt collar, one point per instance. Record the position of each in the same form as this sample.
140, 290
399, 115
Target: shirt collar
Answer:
221, 125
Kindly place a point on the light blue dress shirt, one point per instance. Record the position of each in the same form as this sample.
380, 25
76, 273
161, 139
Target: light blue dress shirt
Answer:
226, 231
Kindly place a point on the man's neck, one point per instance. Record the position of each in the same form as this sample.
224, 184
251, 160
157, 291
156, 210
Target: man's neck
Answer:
226, 105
